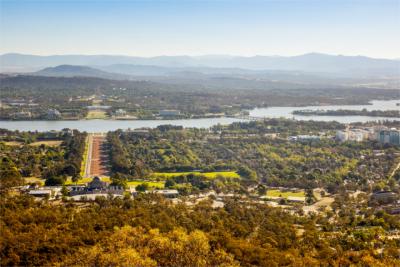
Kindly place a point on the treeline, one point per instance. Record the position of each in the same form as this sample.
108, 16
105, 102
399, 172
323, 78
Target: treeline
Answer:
150, 231
284, 127
348, 112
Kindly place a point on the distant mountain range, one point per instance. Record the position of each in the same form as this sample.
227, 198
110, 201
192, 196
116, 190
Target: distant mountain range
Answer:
76, 71
344, 66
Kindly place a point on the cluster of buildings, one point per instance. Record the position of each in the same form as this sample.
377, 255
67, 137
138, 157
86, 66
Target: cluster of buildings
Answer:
93, 189
51, 114
11, 102
304, 138
381, 134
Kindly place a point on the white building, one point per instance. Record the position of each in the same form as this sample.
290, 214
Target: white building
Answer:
357, 135
120, 112
342, 136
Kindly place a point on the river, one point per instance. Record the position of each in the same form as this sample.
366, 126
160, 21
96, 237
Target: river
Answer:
272, 112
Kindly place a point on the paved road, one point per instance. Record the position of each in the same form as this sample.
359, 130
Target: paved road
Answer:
89, 155
97, 160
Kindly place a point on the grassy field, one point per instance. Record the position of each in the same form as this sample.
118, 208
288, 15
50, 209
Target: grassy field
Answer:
13, 143
53, 143
47, 143
284, 194
96, 114
86, 180
29, 180
85, 157
151, 184
209, 175
107, 179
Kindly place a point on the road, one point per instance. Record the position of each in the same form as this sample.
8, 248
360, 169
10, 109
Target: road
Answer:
89, 140
97, 161
394, 170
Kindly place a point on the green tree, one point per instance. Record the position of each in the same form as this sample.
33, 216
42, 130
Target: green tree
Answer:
119, 180
142, 187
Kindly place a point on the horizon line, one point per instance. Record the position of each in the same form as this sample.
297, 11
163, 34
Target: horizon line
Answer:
199, 55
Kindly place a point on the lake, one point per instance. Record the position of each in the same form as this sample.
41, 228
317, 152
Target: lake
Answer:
272, 112
286, 112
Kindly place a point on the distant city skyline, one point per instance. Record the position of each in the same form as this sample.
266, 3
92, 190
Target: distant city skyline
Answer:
171, 27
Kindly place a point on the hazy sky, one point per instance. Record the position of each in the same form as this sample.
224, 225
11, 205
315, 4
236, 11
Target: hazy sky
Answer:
172, 27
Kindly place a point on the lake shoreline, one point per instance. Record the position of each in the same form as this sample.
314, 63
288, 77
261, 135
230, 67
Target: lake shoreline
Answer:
101, 125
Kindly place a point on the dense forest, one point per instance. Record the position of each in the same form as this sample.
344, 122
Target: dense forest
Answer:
151, 231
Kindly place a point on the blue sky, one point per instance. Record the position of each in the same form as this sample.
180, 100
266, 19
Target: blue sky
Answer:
190, 27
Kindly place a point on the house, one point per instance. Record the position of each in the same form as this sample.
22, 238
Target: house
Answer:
92, 197
96, 186
384, 197
41, 193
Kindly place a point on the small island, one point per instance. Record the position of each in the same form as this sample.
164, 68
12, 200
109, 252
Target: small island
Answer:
347, 112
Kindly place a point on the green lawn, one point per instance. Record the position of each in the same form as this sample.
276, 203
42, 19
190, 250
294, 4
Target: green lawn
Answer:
209, 175
107, 179
85, 180
29, 180
85, 157
279, 193
151, 184
96, 114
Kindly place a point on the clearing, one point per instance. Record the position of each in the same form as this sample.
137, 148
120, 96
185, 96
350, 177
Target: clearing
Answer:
151, 184
86, 180
36, 180
285, 194
53, 143
209, 175
96, 114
